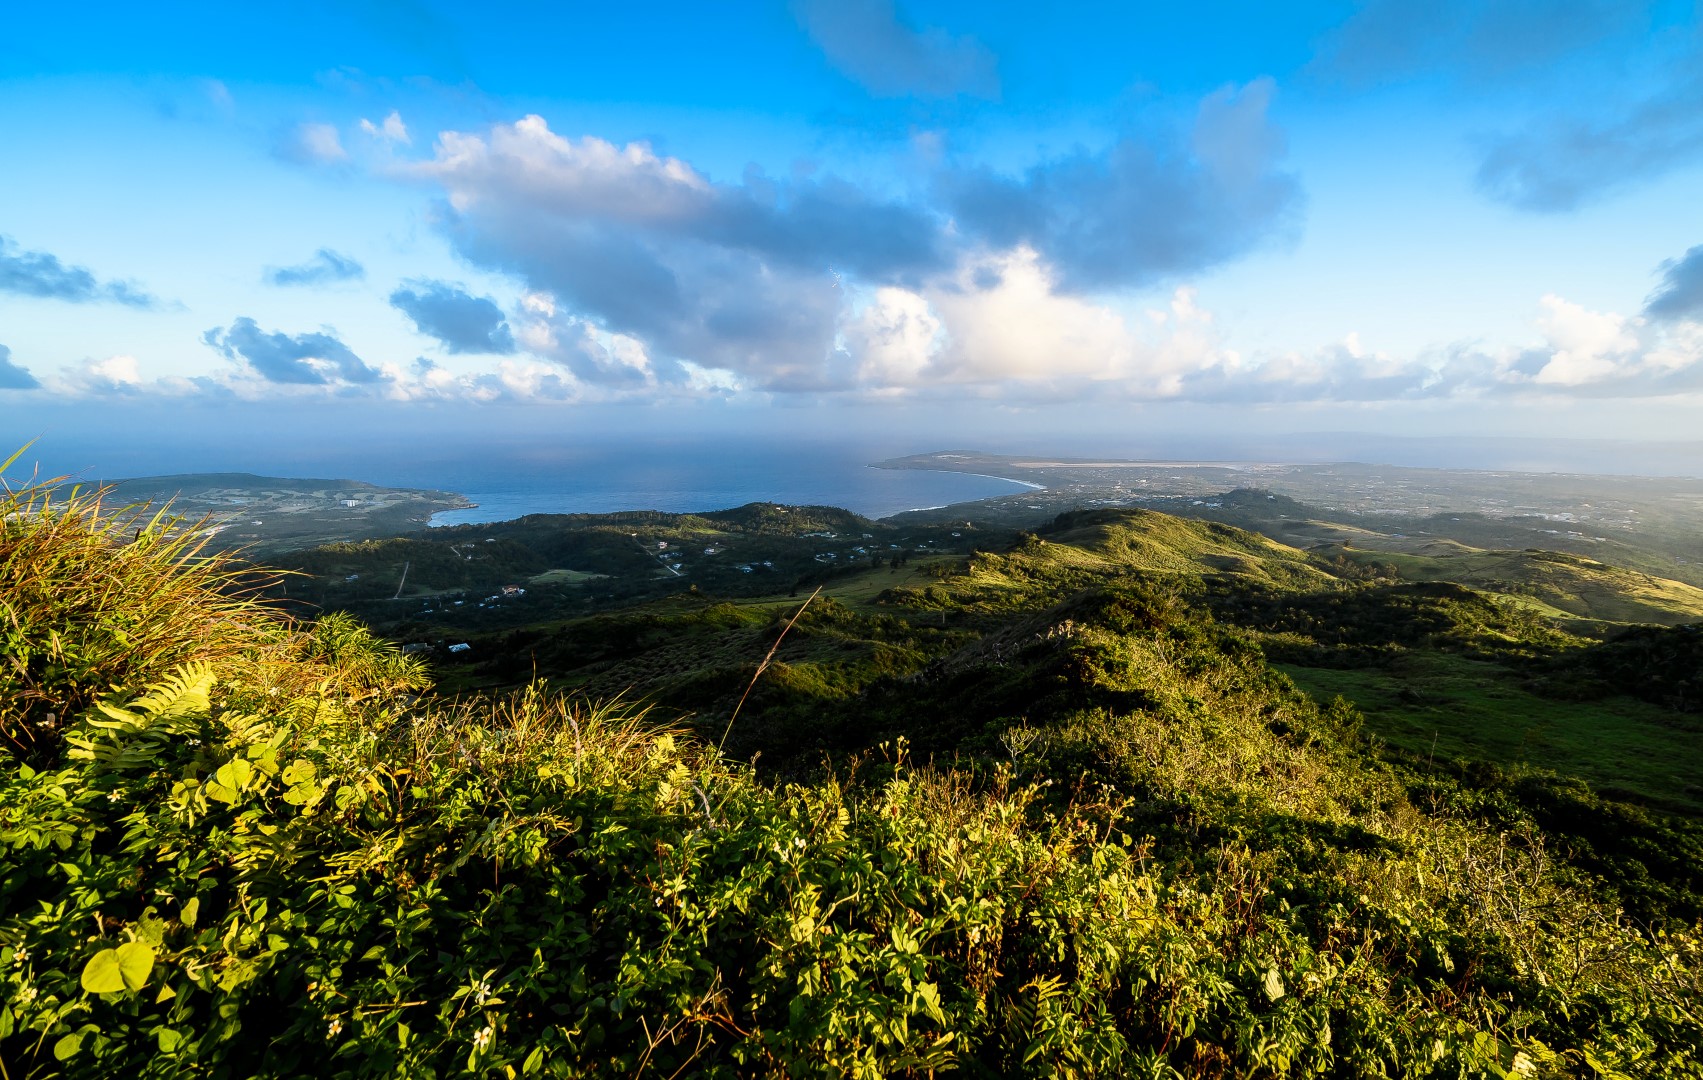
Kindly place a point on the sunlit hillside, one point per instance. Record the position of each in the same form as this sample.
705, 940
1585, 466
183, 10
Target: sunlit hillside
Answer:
238, 845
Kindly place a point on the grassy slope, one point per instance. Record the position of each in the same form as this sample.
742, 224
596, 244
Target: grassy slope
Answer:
392, 886
1475, 710
1574, 584
681, 653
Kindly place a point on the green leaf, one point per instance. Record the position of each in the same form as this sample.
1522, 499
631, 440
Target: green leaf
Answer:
67, 1047
235, 774
124, 968
299, 771
190, 911
102, 975
135, 962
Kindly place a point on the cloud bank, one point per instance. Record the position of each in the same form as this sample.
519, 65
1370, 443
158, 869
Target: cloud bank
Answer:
38, 274
758, 280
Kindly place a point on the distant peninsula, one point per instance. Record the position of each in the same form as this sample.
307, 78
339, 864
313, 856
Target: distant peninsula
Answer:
269, 514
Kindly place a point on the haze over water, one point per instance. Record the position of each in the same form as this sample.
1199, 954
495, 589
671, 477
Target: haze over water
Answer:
602, 479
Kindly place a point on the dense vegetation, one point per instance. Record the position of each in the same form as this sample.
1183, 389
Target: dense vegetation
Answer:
1047, 812
575, 564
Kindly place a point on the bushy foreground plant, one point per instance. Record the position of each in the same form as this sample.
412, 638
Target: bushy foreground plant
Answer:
275, 860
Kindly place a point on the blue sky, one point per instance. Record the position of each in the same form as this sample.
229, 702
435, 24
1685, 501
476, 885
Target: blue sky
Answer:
1402, 217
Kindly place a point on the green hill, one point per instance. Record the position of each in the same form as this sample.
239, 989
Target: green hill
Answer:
1078, 826
1555, 582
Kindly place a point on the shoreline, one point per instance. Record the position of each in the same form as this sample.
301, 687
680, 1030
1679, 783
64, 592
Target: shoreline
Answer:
1030, 484
434, 521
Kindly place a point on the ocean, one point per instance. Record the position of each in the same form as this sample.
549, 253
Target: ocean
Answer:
517, 472
686, 477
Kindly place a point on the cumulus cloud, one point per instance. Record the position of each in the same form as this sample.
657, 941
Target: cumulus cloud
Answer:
15, 376
1000, 323
1002, 330
312, 359
1576, 352
326, 267
1680, 295
593, 357
870, 42
39, 274
462, 322
115, 375
312, 144
391, 129
735, 277
750, 279
1144, 208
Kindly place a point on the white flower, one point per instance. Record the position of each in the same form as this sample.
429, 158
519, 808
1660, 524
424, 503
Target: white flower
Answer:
21, 955
113, 796
482, 992
333, 1028
483, 1038
25, 995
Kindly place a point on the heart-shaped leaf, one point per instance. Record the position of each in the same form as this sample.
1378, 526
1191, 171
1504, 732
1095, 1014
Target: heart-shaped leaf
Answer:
123, 968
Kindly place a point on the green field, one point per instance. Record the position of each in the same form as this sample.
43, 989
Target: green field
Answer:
1455, 707
565, 577
1578, 586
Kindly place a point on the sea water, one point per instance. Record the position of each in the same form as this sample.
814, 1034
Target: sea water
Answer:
511, 474
600, 476
684, 477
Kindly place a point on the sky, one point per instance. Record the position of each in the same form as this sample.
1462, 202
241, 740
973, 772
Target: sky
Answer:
932, 221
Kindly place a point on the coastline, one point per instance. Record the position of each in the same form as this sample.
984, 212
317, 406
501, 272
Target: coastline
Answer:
859, 485
1008, 479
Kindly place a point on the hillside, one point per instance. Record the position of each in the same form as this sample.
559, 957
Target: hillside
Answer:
1558, 583
1043, 811
572, 564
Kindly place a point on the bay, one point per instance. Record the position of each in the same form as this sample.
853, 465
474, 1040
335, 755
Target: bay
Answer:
680, 477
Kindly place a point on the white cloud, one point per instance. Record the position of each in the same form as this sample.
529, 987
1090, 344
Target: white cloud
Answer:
391, 129
893, 339
1000, 321
113, 375
545, 330
1585, 346
815, 284
313, 144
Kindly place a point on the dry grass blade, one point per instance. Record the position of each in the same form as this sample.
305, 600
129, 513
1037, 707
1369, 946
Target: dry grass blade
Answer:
764, 667
93, 598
